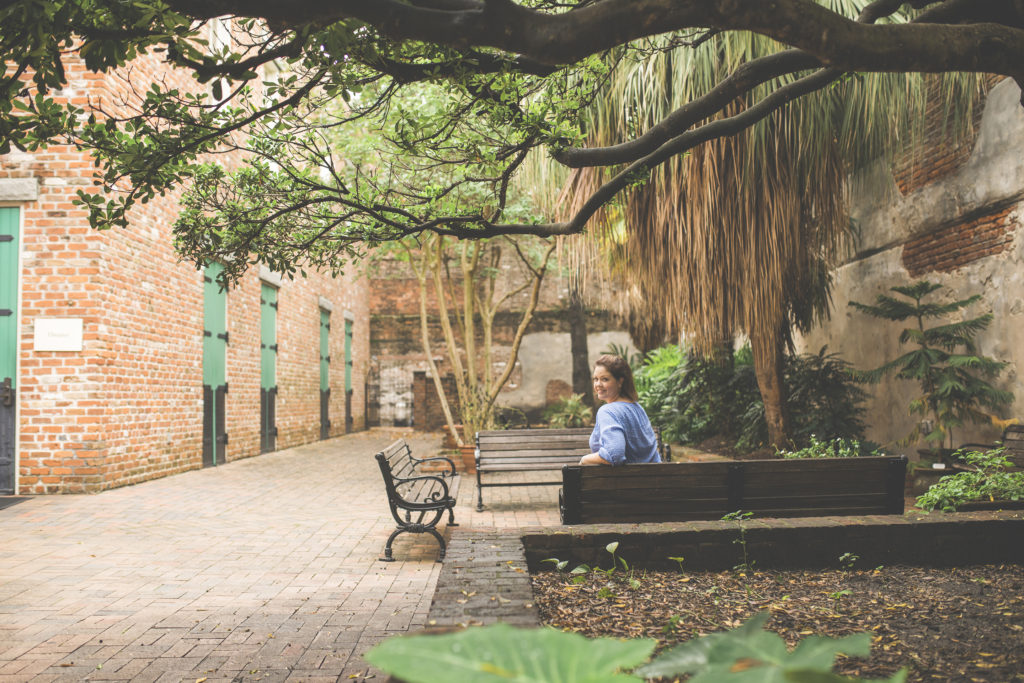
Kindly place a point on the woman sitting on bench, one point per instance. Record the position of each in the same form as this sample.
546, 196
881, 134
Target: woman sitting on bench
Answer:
623, 433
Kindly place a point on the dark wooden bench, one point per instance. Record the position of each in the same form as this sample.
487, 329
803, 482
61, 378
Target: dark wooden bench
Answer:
1012, 440
673, 492
532, 450
419, 490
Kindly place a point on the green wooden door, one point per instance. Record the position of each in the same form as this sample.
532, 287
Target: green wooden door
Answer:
268, 368
9, 217
348, 377
215, 366
325, 365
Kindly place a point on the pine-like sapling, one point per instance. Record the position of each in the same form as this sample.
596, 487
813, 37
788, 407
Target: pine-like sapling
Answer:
954, 377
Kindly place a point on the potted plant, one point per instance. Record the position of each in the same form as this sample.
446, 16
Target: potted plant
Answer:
988, 484
569, 412
468, 451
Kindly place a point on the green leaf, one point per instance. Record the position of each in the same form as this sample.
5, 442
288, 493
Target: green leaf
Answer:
750, 653
503, 653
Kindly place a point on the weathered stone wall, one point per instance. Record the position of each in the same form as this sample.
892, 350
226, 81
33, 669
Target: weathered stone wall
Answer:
544, 368
961, 229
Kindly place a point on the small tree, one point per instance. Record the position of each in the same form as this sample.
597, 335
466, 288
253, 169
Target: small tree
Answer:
483, 294
952, 374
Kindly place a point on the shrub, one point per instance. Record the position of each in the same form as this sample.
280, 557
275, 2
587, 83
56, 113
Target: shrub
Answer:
569, 412
836, 448
990, 480
657, 366
698, 398
823, 397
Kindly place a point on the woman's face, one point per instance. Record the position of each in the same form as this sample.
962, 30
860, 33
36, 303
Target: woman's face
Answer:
606, 387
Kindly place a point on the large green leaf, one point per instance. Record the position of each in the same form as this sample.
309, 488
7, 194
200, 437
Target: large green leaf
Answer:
752, 654
503, 653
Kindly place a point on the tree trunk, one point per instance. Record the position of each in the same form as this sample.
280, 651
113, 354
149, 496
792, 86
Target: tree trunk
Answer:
768, 367
581, 383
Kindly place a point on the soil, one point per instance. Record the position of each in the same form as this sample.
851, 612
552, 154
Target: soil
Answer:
956, 624
725, 448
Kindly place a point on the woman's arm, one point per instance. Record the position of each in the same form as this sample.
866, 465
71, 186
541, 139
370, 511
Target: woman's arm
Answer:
611, 445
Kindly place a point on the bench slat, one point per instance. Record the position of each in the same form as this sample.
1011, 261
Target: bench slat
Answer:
519, 467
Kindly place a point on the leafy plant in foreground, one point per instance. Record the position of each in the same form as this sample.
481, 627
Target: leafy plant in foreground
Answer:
504, 653
990, 480
952, 374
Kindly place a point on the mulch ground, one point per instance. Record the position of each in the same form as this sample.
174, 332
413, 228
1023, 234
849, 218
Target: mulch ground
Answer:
959, 624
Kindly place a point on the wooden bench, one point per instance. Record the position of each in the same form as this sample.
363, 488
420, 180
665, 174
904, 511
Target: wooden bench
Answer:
419, 490
527, 450
532, 450
1012, 440
673, 492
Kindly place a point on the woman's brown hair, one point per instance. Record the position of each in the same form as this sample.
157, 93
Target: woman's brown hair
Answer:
620, 370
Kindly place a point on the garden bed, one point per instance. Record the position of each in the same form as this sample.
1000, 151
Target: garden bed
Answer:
953, 624
927, 617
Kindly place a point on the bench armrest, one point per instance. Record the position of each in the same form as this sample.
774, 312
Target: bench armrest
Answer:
450, 462
440, 480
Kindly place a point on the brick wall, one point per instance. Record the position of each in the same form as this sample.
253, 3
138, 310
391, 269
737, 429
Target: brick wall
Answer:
427, 413
933, 155
129, 406
950, 248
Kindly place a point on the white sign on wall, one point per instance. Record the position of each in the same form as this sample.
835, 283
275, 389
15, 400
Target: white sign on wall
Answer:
58, 334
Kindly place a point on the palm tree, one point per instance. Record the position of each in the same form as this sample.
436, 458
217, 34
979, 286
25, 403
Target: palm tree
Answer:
738, 236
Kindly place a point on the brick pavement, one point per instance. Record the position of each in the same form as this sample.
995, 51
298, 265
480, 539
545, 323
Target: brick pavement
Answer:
265, 569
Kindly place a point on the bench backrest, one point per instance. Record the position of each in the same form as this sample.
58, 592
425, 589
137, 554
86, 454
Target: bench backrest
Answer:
519, 446
542, 445
670, 492
1013, 440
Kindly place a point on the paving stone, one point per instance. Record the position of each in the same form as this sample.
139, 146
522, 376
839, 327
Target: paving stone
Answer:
184, 577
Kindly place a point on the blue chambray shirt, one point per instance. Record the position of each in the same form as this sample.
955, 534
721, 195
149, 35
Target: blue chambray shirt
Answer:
623, 434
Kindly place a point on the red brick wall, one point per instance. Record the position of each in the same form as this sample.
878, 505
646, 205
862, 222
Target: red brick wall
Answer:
954, 246
129, 406
427, 414
934, 156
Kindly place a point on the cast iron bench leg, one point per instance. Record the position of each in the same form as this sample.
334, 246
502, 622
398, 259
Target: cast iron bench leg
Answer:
387, 548
440, 541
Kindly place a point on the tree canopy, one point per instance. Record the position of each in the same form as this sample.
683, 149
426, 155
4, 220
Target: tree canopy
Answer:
514, 79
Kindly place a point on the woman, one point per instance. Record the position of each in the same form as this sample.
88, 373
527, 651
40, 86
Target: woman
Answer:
623, 433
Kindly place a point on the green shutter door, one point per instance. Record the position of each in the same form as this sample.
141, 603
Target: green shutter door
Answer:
8, 343
268, 368
348, 377
215, 362
325, 364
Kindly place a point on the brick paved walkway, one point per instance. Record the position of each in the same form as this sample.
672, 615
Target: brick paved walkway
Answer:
265, 569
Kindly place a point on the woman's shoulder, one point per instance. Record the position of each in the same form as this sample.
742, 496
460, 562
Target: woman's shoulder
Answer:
617, 407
